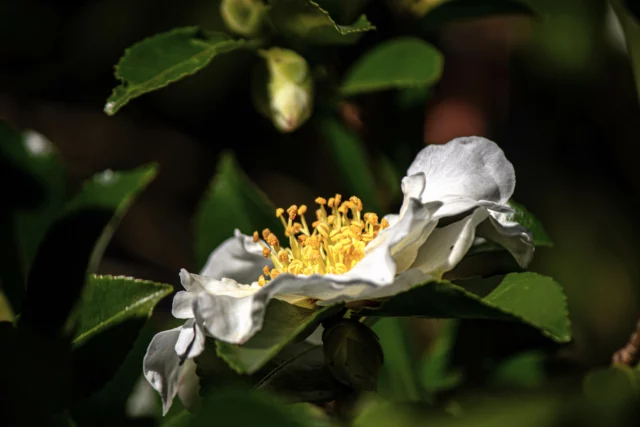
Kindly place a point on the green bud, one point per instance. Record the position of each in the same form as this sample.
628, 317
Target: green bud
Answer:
283, 88
353, 354
244, 17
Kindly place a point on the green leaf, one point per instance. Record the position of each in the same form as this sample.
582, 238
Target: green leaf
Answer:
231, 202
398, 379
523, 217
353, 353
165, 58
34, 187
109, 404
631, 27
524, 370
305, 21
613, 387
283, 323
351, 160
435, 372
404, 62
84, 231
241, 408
456, 10
109, 300
110, 314
303, 377
522, 297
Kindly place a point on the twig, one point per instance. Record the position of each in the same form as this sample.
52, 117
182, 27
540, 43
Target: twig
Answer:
628, 354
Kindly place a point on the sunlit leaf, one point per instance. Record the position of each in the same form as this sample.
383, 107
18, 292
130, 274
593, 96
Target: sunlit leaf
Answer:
531, 298
165, 58
405, 62
109, 300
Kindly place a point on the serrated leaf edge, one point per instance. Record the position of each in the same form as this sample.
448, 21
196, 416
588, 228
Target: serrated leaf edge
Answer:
164, 290
112, 106
545, 332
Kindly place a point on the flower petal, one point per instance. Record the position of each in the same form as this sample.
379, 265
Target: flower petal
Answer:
444, 249
509, 234
238, 258
191, 340
182, 307
462, 173
161, 366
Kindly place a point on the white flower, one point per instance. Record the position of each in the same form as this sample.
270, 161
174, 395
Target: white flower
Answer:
453, 193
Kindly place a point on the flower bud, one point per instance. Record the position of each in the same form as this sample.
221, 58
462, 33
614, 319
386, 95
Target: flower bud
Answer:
283, 90
353, 354
244, 17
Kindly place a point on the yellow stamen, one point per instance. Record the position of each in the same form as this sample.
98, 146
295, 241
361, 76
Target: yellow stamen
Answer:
255, 236
334, 244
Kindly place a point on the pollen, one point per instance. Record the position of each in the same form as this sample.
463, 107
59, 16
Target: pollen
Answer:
333, 244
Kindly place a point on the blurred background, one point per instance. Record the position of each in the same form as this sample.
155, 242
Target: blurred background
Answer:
555, 91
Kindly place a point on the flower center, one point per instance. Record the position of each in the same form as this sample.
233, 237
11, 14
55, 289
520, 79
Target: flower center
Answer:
333, 245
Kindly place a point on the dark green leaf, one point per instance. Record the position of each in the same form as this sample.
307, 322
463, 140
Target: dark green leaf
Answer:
108, 406
304, 377
523, 297
456, 10
33, 183
405, 62
241, 408
84, 231
110, 314
165, 58
352, 353
109, 300
436, 373
631, 27
524, 370
283, 323
306, 21
351, 160
613, 387
231, 202
398, 378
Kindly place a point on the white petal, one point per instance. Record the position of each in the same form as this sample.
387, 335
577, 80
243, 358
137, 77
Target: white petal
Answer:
183, 305
462, 171
191, 340
238, 258
446, 246
198, 283
161, 366
509, 234
189, 385
230, 313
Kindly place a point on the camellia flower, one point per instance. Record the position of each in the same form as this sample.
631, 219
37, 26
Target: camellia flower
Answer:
453, 193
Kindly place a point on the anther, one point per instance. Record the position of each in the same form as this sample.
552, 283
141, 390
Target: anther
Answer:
255, 237
279, 212
266, 252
